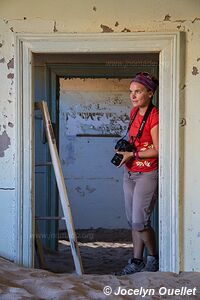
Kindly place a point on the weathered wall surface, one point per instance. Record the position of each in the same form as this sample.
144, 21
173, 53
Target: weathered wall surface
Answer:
90, 111
7, 142
103, 16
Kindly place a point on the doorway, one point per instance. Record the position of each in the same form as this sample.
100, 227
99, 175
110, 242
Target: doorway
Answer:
90, 112
170, 47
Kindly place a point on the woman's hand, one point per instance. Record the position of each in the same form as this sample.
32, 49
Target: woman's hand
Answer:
126, 157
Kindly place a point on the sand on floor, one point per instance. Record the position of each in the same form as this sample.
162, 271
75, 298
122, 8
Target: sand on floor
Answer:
21, 283
100, 260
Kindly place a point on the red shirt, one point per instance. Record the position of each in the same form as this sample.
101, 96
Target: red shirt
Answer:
144, 143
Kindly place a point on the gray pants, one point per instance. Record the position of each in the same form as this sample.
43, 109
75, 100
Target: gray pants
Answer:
141, 193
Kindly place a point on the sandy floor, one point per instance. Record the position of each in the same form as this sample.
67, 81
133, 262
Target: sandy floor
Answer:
100, 260
97, 257
20, 283
102, 251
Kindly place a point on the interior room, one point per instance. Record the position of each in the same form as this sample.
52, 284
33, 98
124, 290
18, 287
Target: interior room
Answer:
79, 57
89, 104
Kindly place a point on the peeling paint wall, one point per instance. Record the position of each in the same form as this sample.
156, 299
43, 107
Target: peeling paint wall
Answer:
7, 143
92, 113
104, 16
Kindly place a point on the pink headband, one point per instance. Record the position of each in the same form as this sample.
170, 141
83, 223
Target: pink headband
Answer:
146, 80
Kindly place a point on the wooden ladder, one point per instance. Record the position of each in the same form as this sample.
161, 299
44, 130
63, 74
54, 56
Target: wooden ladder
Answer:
61, 188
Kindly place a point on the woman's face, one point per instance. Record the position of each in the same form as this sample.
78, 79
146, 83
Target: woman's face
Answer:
139, 95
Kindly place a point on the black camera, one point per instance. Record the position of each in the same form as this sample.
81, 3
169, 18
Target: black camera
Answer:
124, 146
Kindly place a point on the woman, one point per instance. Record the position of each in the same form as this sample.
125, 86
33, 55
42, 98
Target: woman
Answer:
141, 174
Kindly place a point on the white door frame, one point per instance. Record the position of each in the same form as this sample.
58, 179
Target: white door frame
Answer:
169, 46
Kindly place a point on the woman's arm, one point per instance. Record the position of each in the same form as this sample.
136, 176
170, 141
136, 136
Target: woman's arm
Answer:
152, 152
149, 153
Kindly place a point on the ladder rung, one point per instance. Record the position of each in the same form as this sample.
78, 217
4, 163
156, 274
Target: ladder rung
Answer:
49, 163
50, 218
